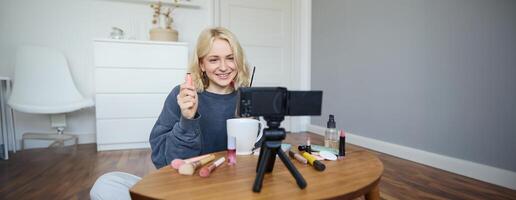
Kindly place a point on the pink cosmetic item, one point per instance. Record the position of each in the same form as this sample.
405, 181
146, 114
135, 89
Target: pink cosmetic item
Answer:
176, 163
189, 79
189, 168
231, 150
206, 170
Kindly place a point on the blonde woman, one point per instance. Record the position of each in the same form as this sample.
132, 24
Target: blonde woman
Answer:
193, 119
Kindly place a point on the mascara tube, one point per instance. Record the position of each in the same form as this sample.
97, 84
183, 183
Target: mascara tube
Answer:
318, 165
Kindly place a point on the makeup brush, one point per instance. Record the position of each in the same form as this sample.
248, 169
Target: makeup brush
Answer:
298, 157
189, 168
206, 170
176, 163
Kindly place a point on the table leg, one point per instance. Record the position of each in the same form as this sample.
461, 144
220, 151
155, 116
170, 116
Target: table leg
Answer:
374, 193
11, 117
3, 123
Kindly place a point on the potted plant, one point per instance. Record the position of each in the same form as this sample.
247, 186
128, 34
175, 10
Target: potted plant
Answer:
158, 32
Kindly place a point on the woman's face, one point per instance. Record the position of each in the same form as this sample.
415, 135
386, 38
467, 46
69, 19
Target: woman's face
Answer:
220, 67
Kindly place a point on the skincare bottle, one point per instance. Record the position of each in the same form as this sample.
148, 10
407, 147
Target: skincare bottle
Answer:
331, 139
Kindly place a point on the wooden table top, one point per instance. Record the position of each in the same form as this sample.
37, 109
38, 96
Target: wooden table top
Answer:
355, 175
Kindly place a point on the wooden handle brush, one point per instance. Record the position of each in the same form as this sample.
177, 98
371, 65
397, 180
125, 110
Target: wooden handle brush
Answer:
206, 170
176, 163
189, 168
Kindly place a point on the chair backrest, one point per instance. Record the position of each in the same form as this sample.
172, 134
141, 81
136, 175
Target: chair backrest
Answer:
43, 83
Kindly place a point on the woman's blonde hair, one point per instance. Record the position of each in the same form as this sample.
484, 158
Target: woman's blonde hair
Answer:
204, 45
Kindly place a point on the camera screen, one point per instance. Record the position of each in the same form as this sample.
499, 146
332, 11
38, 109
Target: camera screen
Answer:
278, 101
269, 102
304, 103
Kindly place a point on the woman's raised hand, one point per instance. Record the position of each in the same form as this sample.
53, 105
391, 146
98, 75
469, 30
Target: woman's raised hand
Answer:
187, 98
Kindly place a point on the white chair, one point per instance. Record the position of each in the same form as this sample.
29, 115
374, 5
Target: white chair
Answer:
43, 85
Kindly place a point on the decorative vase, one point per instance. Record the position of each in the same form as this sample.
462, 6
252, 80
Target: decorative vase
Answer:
161, 34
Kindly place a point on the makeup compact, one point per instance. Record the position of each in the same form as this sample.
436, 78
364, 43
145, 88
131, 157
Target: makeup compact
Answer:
327, 155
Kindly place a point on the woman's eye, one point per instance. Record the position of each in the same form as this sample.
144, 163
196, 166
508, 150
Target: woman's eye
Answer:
212, 60
230, 58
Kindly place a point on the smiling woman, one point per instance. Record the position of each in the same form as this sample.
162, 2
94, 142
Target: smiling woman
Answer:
219, 67
218, 54
193, 119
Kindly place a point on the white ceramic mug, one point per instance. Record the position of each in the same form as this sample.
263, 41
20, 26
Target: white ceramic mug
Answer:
245, 131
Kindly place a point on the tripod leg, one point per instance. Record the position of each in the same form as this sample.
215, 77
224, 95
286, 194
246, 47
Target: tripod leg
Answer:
261, 169
260, 157
272, 159
299, 178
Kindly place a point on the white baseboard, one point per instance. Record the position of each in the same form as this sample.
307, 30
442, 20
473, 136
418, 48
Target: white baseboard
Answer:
122, 146
84, 138
319, 130
87, 138
474, 170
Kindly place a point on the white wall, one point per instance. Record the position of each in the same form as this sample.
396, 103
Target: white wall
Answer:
70, 26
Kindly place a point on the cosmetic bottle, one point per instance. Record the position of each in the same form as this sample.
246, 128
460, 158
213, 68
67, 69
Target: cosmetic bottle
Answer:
231, 153
331, 139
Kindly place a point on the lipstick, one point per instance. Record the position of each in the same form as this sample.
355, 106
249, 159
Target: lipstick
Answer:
342, 144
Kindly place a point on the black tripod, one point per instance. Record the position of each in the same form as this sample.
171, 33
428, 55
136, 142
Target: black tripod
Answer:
271, 146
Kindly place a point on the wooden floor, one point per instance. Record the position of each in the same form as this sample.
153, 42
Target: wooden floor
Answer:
69, 173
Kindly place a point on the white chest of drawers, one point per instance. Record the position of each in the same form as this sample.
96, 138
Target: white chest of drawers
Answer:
132, 80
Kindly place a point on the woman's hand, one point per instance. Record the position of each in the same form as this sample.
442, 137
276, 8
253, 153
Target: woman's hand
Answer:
187, 98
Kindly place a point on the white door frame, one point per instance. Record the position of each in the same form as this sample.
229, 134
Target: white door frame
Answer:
301, 49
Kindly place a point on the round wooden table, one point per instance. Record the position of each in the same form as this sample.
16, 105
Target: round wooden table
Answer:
356, 175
